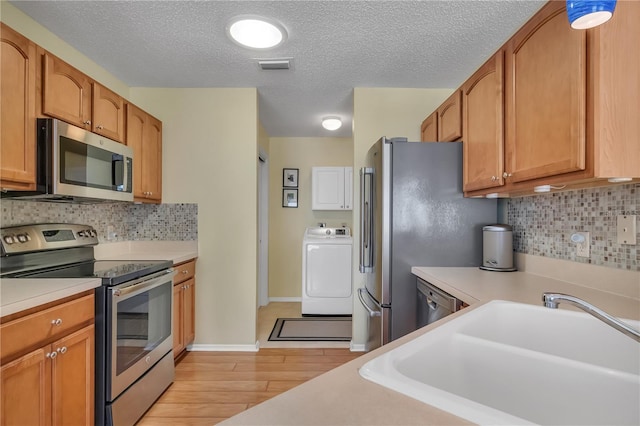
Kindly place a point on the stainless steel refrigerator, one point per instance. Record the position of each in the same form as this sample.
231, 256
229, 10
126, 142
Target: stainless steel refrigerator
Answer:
412, 213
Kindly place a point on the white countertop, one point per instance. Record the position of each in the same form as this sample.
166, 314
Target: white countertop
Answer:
176, 251
18, 294
472, 285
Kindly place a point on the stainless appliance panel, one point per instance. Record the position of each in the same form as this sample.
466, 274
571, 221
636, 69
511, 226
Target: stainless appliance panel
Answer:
73, 164
140, 320
433, 304
421, 219
136, 400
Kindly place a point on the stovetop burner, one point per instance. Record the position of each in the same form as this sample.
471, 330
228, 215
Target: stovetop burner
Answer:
112, 272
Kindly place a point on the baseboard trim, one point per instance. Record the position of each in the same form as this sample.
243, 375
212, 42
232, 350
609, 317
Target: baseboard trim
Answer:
223, 348
285, 299
357, 347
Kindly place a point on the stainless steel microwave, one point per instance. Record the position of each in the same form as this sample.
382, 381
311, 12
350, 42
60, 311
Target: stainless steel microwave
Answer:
74, 165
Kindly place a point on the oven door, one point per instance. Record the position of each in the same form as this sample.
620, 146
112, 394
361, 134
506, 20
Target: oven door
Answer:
140, 315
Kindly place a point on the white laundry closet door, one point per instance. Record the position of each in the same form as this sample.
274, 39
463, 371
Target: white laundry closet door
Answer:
328, 270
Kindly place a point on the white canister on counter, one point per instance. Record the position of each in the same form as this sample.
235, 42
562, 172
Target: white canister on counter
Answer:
497, 248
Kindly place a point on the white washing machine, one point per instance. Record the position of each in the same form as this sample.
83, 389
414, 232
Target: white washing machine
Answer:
326, 271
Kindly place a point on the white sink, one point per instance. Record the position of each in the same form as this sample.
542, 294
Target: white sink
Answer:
512, 363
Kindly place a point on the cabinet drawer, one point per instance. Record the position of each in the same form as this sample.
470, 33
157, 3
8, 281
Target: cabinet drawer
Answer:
184, 271
39, 328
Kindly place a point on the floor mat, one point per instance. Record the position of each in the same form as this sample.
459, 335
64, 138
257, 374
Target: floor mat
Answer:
312, 329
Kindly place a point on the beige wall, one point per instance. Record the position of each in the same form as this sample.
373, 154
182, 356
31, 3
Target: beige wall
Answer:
210, 152
381, 112
26, 26
287, 225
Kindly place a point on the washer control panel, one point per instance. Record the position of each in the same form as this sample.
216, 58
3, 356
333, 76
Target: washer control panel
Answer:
324, 232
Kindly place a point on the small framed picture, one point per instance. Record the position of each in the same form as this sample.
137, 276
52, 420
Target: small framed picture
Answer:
290, 198
290, 178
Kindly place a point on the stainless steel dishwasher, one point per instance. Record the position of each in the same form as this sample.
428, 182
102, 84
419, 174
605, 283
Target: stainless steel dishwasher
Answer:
433, 303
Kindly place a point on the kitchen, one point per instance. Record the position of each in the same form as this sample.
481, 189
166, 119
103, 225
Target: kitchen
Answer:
182, 184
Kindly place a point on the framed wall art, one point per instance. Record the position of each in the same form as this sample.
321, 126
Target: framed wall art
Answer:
290, 178
290, 198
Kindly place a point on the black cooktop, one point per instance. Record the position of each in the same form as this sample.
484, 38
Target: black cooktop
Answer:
112, 272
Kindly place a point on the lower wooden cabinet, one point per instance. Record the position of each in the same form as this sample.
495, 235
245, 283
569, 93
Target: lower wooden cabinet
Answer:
184, 312
52, 384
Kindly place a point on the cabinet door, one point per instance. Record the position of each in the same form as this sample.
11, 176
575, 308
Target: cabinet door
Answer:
17, 110
348, 188
25, 390
72, 386
429, 128
327, 188
67, 92
545, 97
450, 118
178, 314
189, 319
108, 113
136, 122
482, 121
152, 159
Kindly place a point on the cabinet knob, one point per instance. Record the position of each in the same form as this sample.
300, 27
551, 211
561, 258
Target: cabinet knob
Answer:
56, 322
52, 355
185, 272
99, 127
87, 123
506, 175
62, 350
494, 178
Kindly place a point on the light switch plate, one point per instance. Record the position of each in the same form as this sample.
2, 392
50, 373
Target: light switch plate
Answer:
626, 232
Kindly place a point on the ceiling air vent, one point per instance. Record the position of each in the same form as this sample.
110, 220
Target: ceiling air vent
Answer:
274, 64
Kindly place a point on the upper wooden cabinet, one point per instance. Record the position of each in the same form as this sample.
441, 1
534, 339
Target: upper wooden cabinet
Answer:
570, 108
429, 128
108, 113
73, 97
144, 136
546, 91
17, 111
450, 118
483, 124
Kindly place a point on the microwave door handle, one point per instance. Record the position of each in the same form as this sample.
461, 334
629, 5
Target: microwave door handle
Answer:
117, 166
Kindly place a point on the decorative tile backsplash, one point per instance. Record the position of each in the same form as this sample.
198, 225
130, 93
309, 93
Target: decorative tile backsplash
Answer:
162, 222
543, 224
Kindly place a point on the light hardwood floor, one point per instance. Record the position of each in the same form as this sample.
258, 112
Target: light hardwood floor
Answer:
212, 386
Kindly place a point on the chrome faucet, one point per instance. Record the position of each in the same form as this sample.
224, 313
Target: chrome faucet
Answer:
551, 300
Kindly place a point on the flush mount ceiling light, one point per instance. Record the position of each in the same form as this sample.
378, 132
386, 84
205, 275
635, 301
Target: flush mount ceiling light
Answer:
256, 32
331, 123
585, 14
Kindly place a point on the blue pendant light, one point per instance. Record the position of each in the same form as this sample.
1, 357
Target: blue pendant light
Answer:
585, 14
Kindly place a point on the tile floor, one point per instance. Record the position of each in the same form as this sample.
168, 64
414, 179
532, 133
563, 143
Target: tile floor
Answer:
267, 316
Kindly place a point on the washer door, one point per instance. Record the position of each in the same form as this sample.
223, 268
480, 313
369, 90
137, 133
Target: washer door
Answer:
328, 270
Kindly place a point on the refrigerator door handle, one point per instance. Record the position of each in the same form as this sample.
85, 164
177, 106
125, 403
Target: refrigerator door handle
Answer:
372, 312
366, 222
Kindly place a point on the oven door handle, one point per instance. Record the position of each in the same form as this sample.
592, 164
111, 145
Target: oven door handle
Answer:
144, 284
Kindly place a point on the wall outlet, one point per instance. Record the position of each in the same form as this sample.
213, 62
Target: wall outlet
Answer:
583, 246
626, 232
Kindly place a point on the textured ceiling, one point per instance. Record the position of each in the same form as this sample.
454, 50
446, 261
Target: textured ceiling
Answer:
335, 46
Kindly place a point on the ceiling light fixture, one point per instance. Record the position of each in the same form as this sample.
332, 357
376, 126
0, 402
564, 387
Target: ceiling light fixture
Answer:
585, 14
256, 32
331, 123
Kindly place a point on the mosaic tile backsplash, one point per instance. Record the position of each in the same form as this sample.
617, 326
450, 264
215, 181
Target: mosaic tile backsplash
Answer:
543, 224
159, 222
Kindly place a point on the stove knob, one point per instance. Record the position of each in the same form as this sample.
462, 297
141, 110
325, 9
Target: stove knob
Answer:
27, 237
81, 234
9, 239
22, 238
94, 233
